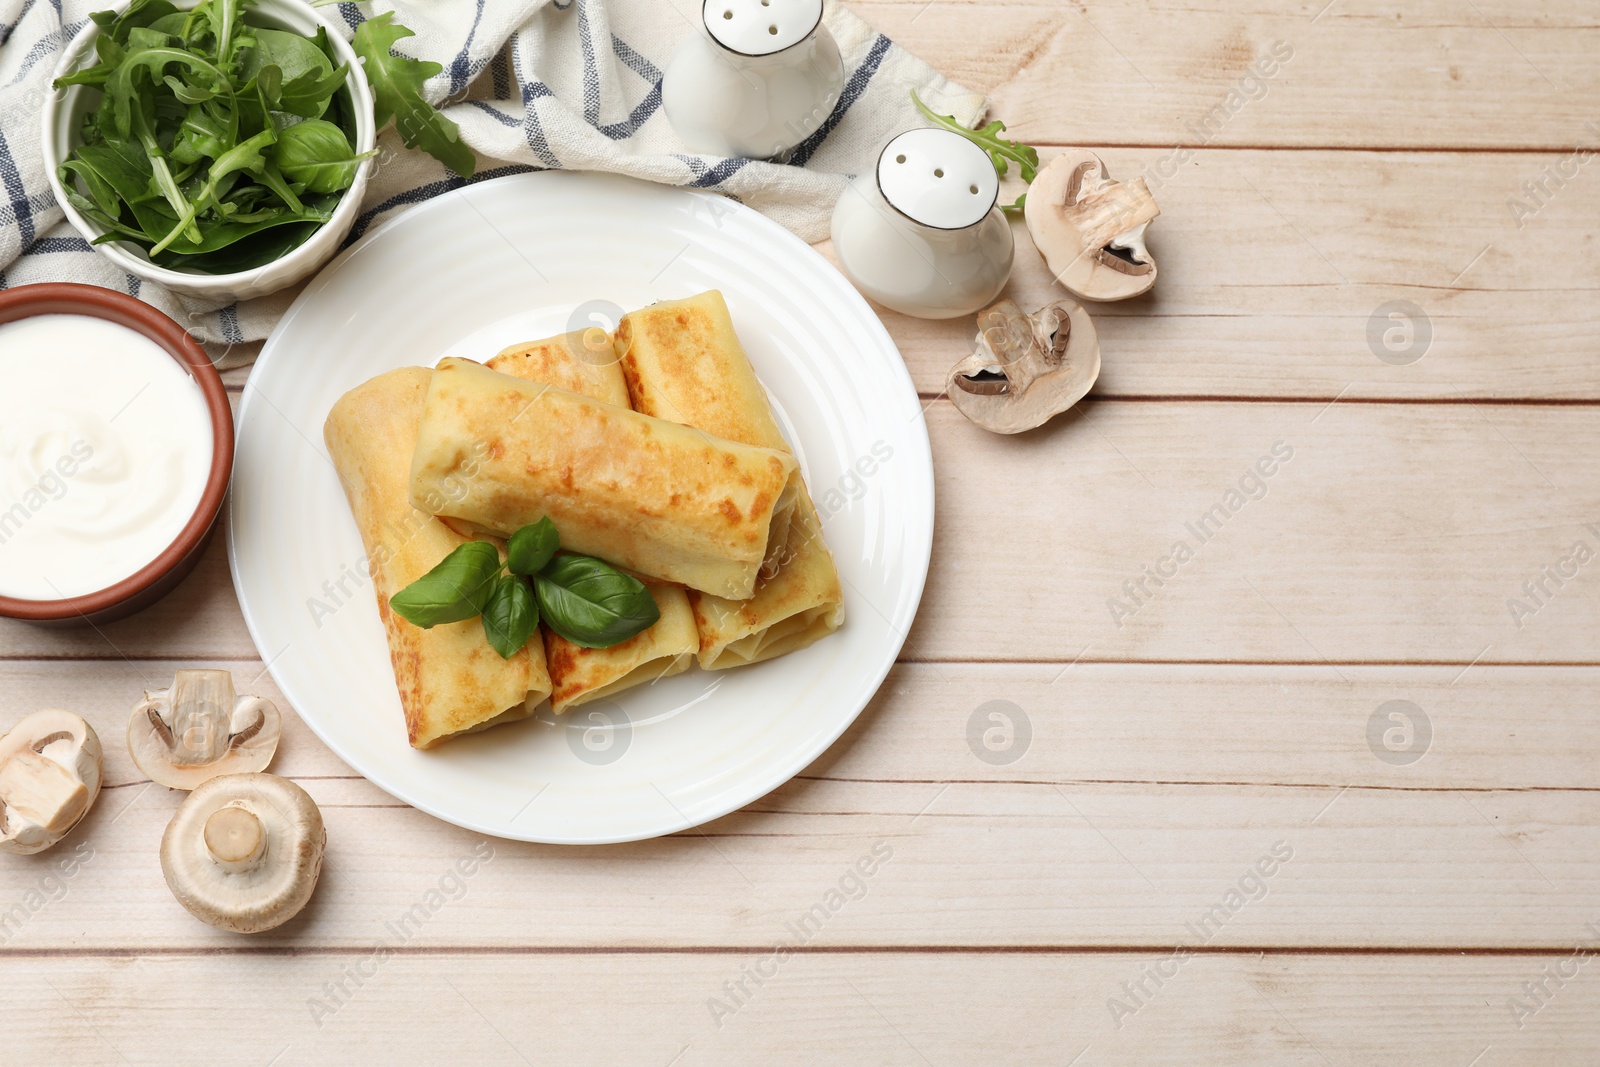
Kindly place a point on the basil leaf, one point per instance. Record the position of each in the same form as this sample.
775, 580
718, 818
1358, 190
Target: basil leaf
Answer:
591, 603
457, 589
511, 616
396, 83
532, 547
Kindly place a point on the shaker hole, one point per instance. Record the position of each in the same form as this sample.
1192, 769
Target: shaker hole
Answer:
727, 14
939, 173
773, 30
973, 189
899, 159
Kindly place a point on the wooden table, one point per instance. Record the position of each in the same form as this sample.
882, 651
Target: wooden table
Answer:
1219, 765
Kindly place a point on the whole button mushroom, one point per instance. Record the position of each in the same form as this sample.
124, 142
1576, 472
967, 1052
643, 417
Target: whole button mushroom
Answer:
244, 852
49, 778
1090, 228
1026, 369
198, 729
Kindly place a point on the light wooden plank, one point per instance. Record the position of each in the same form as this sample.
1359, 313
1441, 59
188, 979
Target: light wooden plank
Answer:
896, 1009
1270, 283
1490, 728
104, 692
1113, 724
971, 863
1394, 533
1491, 74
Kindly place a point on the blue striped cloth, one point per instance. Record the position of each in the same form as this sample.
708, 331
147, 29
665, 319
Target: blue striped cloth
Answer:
534, 85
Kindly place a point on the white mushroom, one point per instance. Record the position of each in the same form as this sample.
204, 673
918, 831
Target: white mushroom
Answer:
197, 730
244, 851
1090, 228
1026, 368
49, 778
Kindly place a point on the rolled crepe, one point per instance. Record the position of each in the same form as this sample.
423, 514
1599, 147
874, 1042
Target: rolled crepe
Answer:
451, 681
683, 362
651, 496
578, 674
581, 362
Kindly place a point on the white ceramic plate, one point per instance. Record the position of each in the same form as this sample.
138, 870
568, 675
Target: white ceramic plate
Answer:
518, 259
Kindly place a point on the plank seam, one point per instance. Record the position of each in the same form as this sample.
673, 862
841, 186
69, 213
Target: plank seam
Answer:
808, 950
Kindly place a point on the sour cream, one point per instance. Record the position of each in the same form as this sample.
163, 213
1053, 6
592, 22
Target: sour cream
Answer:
105, 450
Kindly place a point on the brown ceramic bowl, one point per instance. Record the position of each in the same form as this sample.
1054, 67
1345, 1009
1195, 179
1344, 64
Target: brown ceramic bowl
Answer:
157, 578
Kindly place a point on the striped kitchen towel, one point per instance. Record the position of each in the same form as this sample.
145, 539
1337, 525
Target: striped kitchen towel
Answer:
534, 85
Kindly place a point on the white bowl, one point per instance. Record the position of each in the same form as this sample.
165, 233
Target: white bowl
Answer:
63, 113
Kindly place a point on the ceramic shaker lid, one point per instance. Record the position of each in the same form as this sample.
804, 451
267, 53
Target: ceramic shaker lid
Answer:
938, 178
761, 27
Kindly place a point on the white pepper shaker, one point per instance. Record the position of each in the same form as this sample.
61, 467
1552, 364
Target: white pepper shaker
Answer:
920, 232
764, 76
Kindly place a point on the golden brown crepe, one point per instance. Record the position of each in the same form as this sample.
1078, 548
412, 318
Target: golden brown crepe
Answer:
578, 674
580, 362
652, 496
683, 362
451, 681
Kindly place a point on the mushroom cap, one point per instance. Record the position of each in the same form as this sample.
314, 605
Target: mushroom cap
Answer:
197, 729
244, 852
1090, 228
1026, 369
49, 778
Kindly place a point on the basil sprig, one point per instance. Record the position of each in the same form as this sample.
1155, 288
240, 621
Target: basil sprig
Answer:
585, 600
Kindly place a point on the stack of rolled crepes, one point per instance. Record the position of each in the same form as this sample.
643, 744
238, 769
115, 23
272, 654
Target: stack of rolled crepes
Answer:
667, 463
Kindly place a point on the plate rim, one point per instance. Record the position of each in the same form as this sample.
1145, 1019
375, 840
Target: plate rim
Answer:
916, 583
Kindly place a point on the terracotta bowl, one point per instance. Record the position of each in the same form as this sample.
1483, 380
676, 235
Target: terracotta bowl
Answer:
162, 574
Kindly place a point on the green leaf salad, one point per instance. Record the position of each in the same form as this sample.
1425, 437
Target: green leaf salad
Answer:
219, 145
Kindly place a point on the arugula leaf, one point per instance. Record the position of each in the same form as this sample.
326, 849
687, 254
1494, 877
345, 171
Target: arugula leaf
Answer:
532, 547
511, 616
397, 93
591, 603
308, 79
455, 590
1002, 152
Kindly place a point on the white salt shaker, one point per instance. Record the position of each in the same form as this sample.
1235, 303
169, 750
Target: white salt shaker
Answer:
920, 232
764, 76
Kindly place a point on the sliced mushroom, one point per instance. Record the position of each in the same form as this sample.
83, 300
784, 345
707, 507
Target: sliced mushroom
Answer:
49, 778
1091, 229
197, 730
244, 852
1026, 368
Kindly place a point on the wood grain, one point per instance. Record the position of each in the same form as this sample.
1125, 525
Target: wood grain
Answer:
1493, 74
1097, 724
979, 863
881, 1009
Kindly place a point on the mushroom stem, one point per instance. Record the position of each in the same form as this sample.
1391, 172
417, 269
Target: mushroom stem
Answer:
236, 839
48, 793
201, 704
1110, 210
